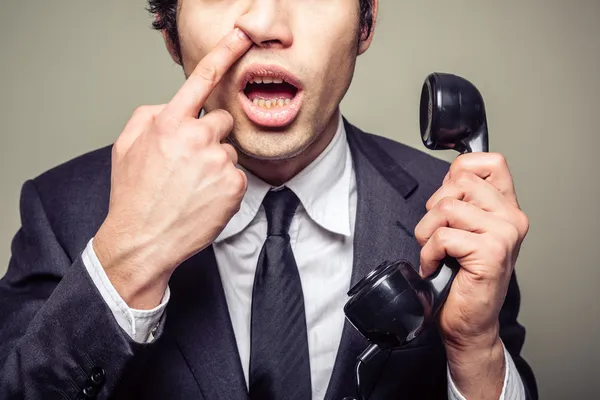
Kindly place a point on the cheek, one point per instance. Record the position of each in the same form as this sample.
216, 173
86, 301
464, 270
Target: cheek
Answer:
329, 40
332, 73
200, 29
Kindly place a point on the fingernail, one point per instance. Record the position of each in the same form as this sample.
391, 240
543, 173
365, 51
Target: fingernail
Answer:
241, 34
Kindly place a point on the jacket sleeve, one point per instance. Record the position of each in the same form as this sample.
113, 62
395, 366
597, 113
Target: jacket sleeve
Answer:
513, 336
58, 338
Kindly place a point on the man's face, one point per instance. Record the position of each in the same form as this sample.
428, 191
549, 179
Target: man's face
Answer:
284, 92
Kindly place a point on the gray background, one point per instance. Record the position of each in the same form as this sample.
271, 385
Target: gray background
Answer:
72, 71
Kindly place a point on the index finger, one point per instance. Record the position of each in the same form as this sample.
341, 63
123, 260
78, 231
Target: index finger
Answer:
190, 98
491, 167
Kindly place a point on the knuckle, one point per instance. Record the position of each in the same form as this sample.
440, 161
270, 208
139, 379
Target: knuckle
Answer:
440, 235
419, 234
222, 113
238, 182
167, 124
446, 205
424, 253
513, 235
118, 148
207, 73
459, 164
430, 203
464, 179
139, 111
198, 141
228, 118
196, 136
200, 137
424, 256
523, 222
227, 47
498, 160
142, 111
224, 122
218, 157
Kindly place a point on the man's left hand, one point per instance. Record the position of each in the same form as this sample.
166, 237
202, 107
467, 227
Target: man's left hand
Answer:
475, 218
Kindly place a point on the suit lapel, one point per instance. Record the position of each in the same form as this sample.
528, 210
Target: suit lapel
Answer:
199, 320
387, 213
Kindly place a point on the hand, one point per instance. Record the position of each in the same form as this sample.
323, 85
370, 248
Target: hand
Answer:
175, 185
474, 217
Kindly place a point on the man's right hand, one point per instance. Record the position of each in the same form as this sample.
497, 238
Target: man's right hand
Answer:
174, 185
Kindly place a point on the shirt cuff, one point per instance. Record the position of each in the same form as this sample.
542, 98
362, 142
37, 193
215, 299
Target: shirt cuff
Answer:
140, 325
513, 388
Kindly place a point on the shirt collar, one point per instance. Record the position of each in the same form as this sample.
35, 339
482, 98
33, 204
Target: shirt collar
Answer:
323, 188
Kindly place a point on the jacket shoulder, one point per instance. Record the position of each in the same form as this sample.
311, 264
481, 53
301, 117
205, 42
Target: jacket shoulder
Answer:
85, 169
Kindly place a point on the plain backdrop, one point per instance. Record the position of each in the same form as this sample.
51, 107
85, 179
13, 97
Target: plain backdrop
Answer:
72, 71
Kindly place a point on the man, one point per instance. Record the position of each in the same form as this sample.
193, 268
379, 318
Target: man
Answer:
208, 253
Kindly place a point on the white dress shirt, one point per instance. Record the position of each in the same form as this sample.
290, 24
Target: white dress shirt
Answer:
321, 234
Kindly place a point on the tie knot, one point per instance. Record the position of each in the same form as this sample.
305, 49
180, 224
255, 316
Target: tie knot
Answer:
280, 207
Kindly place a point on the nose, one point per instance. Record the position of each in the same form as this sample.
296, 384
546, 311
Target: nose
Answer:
266, 23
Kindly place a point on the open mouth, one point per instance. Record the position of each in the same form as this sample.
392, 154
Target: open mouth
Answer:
267, 92
270, 96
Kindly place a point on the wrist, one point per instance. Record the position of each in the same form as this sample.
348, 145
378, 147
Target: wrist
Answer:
460, 344
478, 369
141, 284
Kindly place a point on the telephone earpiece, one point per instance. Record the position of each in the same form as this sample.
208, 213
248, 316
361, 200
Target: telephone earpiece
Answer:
452, 115
392, 305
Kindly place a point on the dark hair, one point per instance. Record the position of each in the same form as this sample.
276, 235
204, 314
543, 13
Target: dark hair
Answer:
166, 11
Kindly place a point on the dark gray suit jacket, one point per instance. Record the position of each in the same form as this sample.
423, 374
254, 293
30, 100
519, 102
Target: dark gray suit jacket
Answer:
59, 340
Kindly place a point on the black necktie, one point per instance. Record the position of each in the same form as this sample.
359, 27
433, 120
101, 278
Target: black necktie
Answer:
279, 361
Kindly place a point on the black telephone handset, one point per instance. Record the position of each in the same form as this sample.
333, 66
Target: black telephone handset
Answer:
392, 305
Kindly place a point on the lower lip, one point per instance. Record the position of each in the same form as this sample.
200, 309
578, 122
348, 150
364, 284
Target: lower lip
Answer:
275, 117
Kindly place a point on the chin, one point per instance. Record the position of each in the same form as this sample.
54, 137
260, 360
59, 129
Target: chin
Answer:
271, 145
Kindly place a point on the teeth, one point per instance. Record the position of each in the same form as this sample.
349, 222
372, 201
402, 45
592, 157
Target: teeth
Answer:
271, 103
265, 79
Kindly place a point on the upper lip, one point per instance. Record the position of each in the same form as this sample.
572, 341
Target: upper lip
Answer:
274, 71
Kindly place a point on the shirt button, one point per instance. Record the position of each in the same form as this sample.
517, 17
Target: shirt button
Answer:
97, 376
